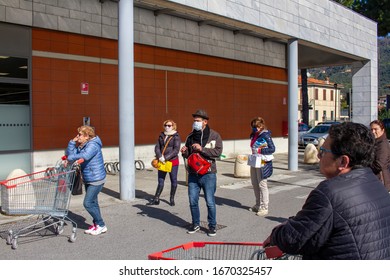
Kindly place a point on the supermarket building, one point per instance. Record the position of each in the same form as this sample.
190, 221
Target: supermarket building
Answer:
237, 59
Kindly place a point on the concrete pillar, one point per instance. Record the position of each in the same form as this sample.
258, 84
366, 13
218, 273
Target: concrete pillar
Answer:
126, 99
292, 104
364, 91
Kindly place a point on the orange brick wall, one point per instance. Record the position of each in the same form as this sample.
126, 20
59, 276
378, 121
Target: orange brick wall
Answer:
58, 106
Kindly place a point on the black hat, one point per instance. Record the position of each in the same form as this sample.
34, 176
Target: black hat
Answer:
201, 113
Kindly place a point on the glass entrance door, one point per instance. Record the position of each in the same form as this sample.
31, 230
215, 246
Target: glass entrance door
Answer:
15, 111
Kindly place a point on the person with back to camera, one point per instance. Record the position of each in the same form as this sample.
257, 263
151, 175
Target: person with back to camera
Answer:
381, 163
208, 143
261, 143
88, 146
347, 216
169, 143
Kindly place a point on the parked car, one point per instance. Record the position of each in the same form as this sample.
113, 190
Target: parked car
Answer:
313, 135
302, 129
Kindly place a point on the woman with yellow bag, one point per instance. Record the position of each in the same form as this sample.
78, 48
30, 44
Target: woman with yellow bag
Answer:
167, 150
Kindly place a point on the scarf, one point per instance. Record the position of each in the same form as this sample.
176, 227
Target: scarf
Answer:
200, 137
170, 132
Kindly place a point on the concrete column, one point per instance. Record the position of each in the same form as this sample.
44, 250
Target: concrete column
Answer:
126, 100
364, 92
292, 53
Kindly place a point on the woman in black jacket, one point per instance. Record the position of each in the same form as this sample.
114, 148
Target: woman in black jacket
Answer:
381, 163
347, 216
167, 149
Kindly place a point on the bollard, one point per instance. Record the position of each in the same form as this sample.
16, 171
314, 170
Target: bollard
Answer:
241, 167
311, 154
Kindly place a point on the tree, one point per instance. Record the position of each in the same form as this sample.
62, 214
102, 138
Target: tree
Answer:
346, 3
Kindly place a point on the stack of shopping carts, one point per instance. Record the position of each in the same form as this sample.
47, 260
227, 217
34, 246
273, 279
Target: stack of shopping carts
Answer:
44, 198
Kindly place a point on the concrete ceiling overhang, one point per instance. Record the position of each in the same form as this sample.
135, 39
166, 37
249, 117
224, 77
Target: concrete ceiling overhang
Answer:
310, 55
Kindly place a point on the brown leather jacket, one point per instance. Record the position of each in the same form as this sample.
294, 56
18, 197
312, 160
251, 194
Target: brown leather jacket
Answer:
381, 163
211, 151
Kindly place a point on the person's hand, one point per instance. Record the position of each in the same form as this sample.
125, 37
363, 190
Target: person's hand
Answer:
197, 147
183, 149
76, 138
162, 159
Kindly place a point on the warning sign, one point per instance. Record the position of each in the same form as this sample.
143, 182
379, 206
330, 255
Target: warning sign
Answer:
84, 88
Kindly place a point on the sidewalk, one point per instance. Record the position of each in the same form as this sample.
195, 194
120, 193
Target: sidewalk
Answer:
137, 229
146, 183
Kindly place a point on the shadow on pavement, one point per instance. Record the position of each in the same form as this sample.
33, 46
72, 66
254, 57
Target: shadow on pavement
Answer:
229, 202
276, 219
161, 214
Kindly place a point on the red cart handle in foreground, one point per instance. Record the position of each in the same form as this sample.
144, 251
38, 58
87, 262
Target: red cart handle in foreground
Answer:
79, 161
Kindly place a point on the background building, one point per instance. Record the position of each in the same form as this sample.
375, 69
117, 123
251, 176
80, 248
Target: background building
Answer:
324, 101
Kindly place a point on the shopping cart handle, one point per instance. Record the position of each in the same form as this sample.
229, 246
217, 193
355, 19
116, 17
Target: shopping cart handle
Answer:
79, 161
273, 252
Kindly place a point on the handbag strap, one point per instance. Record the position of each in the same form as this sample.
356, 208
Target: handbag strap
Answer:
166, 144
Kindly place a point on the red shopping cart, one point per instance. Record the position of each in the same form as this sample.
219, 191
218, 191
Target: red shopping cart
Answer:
44, 197
222, 251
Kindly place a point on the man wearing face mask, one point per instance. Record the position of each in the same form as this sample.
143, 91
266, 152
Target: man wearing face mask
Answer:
208, 143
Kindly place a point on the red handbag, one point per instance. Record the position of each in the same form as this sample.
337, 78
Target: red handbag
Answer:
198, 163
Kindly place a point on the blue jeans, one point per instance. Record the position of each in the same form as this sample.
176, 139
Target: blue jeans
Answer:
207, 183
91, 203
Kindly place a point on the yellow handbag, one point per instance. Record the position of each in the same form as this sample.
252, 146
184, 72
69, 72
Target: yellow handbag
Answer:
163, 166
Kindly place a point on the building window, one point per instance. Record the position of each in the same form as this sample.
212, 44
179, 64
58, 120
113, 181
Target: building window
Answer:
324, 94
323, 115
331, 95
331, 115
316, 115
316, 94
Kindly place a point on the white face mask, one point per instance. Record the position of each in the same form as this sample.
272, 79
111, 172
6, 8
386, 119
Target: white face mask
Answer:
168, 128
197, 126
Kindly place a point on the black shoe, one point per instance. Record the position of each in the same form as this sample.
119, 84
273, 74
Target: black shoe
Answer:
193, 229
172, 202
154, 201
212, 232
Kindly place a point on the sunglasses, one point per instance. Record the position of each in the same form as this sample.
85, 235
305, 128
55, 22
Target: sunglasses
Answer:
167, 125
323, 150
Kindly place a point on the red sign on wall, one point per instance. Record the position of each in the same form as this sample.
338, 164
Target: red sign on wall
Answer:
84, 88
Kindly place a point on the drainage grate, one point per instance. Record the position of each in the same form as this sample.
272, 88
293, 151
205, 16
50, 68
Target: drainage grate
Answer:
205, 225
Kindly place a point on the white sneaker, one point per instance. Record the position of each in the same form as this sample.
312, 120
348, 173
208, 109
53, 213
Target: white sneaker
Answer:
90, 229
262, 212
99, 230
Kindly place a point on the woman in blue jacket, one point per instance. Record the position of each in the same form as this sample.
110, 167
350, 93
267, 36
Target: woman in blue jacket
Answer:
261, 143
88, 146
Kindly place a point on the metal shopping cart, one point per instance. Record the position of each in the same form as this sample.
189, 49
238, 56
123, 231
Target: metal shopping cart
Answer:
222, 251
44, 197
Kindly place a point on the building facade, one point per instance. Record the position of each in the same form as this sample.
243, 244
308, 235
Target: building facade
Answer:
59, 68
324, 101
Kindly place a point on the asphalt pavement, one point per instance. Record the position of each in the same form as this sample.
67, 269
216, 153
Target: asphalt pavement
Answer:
136, 230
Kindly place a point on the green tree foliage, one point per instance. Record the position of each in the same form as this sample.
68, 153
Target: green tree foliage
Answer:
384, 65
346, 3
